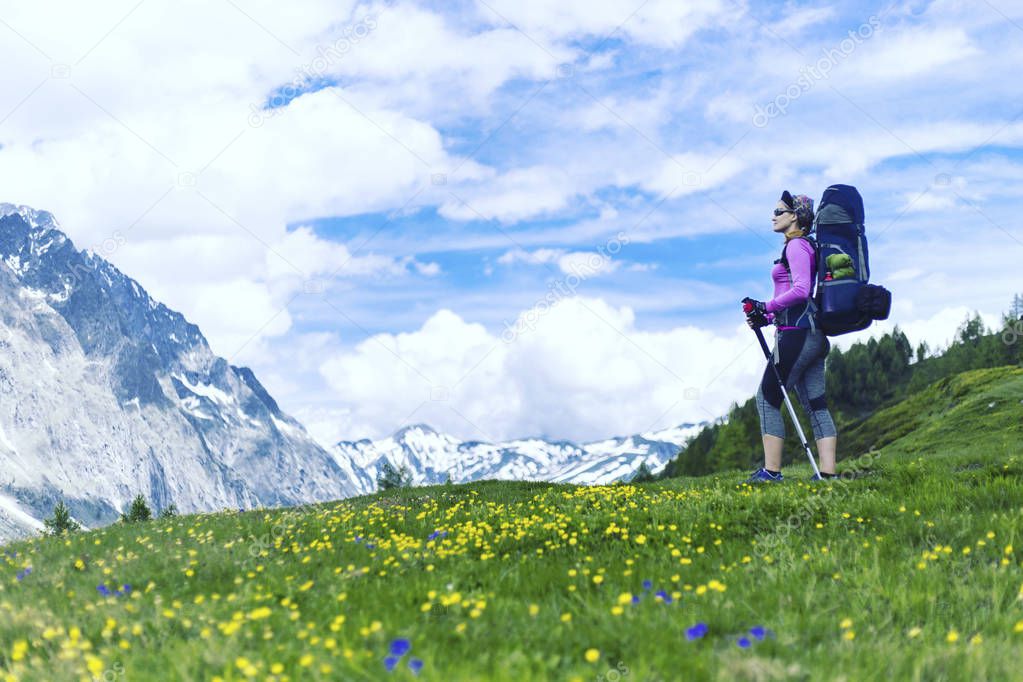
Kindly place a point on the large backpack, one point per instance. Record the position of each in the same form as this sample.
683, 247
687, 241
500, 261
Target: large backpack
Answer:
844, 300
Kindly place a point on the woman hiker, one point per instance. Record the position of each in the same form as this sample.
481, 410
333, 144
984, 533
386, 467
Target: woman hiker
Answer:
800, 347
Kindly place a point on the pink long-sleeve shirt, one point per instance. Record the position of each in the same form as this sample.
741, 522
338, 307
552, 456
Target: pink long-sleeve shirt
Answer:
802, 266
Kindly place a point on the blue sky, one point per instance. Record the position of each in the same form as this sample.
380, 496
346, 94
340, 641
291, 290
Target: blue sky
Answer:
364, 237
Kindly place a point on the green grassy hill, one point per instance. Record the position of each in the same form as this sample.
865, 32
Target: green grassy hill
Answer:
907, 568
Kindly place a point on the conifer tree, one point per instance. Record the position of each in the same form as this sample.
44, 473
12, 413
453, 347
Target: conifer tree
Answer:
139, 511
643, 474
61, 521
393, 478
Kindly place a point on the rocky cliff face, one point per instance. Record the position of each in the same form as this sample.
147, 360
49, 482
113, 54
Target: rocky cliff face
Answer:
106, 393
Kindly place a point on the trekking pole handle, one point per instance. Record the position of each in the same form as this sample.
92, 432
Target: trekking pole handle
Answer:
747, 307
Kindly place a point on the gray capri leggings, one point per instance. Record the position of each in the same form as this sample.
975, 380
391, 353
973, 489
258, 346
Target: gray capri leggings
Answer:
799, 355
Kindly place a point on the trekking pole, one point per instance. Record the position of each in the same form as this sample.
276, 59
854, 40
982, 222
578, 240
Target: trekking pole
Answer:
785, 394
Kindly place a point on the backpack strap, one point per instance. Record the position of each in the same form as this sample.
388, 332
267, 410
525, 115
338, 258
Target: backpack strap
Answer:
784, 260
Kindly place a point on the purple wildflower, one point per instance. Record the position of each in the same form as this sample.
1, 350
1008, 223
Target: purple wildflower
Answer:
415, 665
400, 647
390, 662
758, 631
696, 632
744, 642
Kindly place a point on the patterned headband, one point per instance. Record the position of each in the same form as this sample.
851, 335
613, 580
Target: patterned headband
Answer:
802, 205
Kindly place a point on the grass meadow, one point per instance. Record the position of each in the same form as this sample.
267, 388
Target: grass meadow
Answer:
906, 568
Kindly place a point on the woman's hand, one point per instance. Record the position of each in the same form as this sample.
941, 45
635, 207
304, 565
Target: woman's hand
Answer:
756, 322
756, 313
752, 305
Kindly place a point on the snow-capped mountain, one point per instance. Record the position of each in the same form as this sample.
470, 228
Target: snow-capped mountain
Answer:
431, 457
106, 393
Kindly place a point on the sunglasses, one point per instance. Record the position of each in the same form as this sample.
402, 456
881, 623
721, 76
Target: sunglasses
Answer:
782, 211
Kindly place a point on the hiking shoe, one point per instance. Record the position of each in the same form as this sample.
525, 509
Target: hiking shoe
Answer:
762, 475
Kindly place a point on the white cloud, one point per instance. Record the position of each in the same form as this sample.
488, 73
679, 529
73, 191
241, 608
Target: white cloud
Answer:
535, 257
254, 312
937, 331
687, 173
731, 105
582, 264
313, 257
579, 369
643, 114
586, 264
864, 145
800, 18
429, 269
662, 23
416, 60
911, 53
905, 274
921, 202
516, 195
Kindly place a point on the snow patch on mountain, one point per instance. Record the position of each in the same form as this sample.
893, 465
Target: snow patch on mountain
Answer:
431, 457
